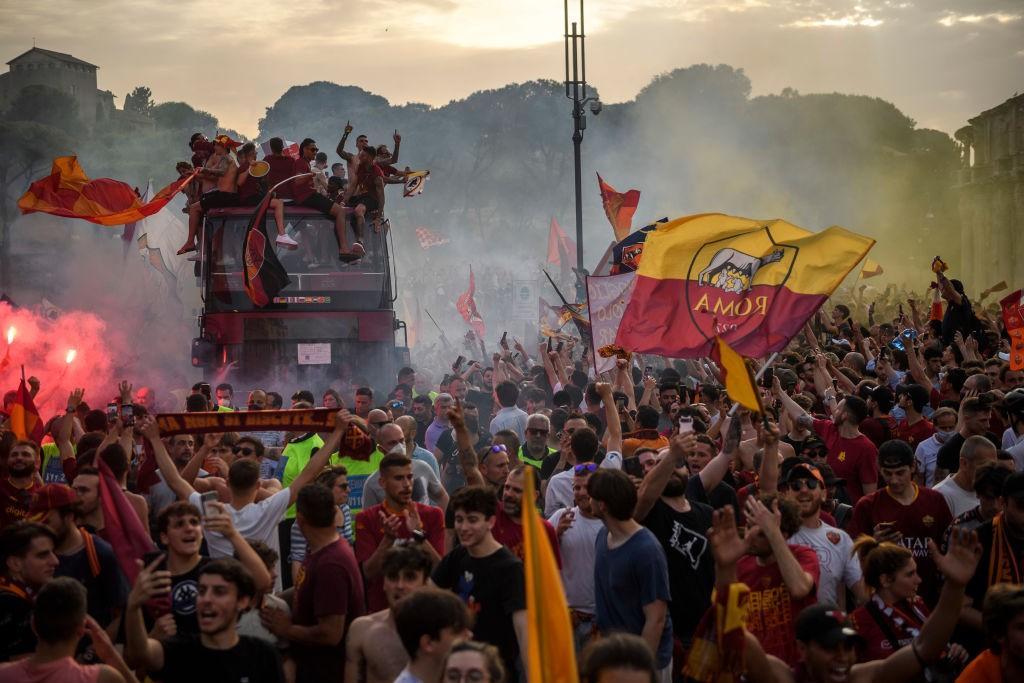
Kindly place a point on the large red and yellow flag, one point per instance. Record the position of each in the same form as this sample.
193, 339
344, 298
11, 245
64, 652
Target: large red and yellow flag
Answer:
25, 420
550, 649
69, 193
752, 283
466, 306
619, 207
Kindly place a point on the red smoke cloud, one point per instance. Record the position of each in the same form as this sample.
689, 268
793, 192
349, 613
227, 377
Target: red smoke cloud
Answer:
42, 346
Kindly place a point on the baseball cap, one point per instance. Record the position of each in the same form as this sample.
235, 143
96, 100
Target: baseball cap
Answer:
51, 497
829, 476
803, 470
1013, 487
826, 625
895, 453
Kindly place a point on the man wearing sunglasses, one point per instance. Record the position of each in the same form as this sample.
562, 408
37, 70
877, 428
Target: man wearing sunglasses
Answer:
508, 522
805, 486
305, 195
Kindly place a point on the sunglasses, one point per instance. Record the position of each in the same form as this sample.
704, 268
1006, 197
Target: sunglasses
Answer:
534, 430
585, 467
473, 676
499, 448
244, 451
801, 484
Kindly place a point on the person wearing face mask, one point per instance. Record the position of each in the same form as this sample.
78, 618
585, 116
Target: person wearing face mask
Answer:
426, 486
270, 439
927, 451
974, 420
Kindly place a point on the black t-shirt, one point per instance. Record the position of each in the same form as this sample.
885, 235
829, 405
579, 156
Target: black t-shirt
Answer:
958, 318
16, 636
184, 591
108, 590
484, 402
691, 568
453, 478
948, 457
494, 589
717, 498
252, 660
547, 468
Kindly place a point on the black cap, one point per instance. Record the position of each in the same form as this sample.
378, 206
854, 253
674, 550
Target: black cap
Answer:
826, 625
830, 477
1013, 487
803, 470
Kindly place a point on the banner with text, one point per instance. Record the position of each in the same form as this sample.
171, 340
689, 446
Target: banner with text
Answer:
315, 420
607, 297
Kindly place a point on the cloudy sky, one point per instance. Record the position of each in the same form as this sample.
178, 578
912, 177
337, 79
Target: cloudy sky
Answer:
940, 61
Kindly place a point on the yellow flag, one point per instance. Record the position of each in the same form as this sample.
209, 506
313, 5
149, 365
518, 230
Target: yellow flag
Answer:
739, 383
551, 650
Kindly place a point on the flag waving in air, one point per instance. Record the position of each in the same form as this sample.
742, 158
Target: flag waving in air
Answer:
467, 307
736, 377
561, 248
752, 283
619, 207
264, 274
550, 649
428, 238
69, 193
25, 420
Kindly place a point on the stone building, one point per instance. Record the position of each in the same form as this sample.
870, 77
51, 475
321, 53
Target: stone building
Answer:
62, 72
991, 193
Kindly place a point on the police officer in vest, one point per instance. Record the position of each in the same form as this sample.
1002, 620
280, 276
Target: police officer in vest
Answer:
535, 449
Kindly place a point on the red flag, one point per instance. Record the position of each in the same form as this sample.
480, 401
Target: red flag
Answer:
69, 193
25, 420
428, 238
264, 274
559, 242
1013, 318
619, 207
122, 528
467, 307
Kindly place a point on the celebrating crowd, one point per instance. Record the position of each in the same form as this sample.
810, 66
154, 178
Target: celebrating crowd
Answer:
869, 523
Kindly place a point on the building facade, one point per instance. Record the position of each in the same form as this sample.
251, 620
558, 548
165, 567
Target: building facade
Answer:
62, 72
991, 197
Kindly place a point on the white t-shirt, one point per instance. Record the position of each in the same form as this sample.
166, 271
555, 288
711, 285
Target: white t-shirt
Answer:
559, 491
1011, 438
927, 454
958, 499
838, 567
255, 522
578, 547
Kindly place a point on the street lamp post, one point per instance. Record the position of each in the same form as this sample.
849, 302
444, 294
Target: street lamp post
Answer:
576, 90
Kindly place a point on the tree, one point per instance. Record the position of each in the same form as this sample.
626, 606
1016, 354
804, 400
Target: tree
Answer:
140, 101
28, 150
48, 106
181, 117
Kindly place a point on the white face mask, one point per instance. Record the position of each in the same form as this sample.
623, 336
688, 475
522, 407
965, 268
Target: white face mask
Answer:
943, 437
399, 449
224, 402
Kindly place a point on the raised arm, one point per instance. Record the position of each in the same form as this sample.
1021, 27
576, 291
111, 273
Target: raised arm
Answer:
181, 488
319, 460
799, 582
916, 368
398, 146
957, 566
221, 523
141, 651
653, 484
613, 431
795, 412
467, 456
768, 479
347, 156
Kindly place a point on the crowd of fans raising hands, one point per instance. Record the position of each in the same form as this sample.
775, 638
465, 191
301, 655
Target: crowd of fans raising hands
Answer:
875, 511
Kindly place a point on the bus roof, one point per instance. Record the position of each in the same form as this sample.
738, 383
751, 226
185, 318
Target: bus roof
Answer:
247, 211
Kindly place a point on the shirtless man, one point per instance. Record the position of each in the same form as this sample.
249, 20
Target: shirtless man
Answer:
374, 652
367, 189
351, 158
305, 195
220, 167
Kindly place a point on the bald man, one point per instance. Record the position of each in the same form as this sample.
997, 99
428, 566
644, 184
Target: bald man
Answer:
426, 485
409, 428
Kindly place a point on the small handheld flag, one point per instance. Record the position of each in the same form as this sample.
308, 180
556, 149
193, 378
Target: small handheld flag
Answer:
736, 377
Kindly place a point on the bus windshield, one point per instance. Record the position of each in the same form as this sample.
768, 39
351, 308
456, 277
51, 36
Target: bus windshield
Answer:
319, 279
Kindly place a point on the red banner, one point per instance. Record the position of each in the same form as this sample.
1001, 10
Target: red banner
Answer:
467, 307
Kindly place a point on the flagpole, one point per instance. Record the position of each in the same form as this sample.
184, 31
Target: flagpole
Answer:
760, 373
444, 339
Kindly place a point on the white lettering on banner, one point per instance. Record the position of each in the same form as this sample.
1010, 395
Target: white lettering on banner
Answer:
607, 298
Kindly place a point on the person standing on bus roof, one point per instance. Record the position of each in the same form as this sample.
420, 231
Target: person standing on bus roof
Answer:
305, 195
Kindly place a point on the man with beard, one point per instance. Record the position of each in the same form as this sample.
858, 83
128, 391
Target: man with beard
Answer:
181, 448
805, 486
1002, 558
577, 528
904, 513
426, 487
486, 575
914, 428
681, 527
491, 468
225, 591
180, 531
27, 562
396, 520
508, 522
373, 649
83, 556
20, 484
446, 451
668, 396
927, 452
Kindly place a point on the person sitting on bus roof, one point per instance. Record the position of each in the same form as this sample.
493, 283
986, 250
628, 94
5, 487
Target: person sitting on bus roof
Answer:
319, 168
222, 169
281, 166
251, 192
302, 191
368, 195
191, 189
201, 148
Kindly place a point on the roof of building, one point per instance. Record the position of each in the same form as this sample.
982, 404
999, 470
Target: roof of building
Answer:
55, 55
999, 108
